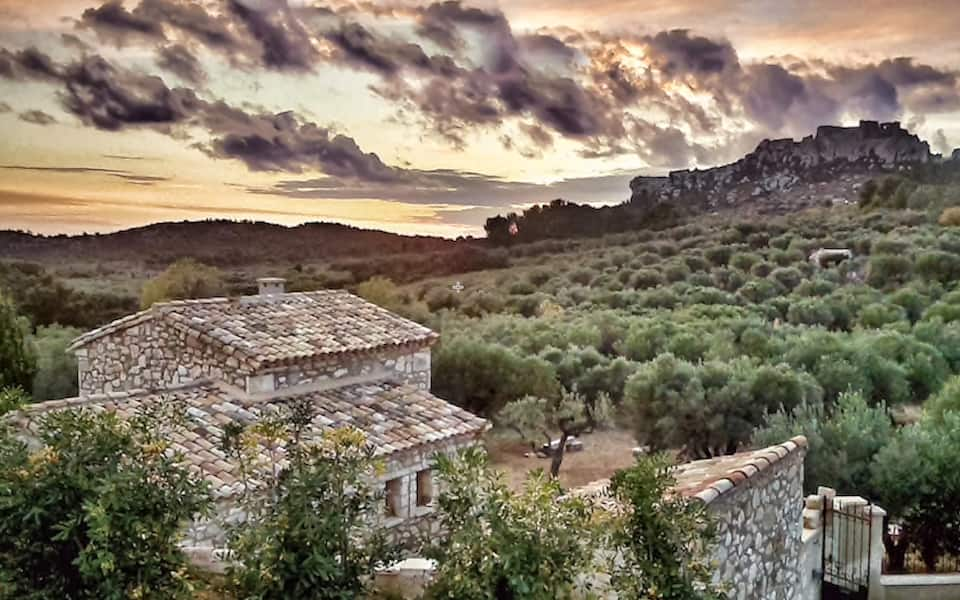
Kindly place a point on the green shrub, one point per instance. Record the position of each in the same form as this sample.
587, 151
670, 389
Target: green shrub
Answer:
582, 276
788, 277
938, 266
884, 270
744, 260
533, 544
309, 533
646, 278
878, 314
719, 256
98, 510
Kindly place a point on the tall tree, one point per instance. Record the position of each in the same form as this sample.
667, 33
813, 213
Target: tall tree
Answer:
17, 364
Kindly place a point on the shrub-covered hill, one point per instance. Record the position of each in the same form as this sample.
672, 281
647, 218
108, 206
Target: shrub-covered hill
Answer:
697, 331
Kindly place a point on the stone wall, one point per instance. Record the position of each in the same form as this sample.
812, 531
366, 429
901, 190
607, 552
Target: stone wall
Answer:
759, 527
150, 354
406, 365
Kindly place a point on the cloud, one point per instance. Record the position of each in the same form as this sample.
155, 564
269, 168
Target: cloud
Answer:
677, 53
37, 117
5, 108
177, 59
132, 178
672, 98
284, 41
452, 187
941, 144
111, 21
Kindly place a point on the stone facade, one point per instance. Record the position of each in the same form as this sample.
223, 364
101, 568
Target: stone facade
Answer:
153, 355
760, 528
412, 367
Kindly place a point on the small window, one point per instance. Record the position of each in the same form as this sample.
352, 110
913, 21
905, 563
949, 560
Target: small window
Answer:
424, 488
392, 497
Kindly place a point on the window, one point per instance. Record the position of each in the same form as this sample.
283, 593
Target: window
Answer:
392, 497
424, 488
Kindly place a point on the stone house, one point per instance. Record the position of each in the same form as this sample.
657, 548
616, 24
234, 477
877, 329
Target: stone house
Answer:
242, 359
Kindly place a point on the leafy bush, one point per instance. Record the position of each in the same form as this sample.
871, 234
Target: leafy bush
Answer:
841, 442
662, 539
482, 377
646, 278
938, 266
313, 530
529, 545
186, 278
99, 510
17, 363
885, 270
56, 375
709, 408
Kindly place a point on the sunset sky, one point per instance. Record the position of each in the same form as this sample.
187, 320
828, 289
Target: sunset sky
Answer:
429, 118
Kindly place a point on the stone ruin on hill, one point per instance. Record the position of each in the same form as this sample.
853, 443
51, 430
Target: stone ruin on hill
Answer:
782, 175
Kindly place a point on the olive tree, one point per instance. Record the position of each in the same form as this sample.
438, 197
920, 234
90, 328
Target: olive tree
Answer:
537, 420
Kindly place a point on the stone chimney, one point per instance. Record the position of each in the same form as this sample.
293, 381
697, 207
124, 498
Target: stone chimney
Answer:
270, 286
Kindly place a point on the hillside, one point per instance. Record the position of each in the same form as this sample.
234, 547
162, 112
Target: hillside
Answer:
219, 242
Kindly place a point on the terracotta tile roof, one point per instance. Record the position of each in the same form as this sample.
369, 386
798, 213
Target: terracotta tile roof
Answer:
708, 479
396, 417
282, 328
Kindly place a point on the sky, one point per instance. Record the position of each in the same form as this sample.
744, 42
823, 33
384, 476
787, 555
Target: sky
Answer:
428, 118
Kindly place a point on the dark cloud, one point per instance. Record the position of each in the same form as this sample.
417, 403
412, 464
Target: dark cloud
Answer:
177, 59
37, 117
284, 42
5, 108
457, 187
29, 63
192, 19
68, 40
441, 22
677, 53
356, 44
283, 142
109, 98
112, 21
133, 178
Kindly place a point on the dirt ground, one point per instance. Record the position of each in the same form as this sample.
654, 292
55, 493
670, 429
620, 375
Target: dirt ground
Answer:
604, 452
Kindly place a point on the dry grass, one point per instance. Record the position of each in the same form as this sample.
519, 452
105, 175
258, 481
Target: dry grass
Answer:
604, 453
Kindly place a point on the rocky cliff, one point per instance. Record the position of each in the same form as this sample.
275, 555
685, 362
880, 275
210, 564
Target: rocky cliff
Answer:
825, 168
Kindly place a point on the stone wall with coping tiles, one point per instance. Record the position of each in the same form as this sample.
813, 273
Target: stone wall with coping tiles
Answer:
151, 354
759, 523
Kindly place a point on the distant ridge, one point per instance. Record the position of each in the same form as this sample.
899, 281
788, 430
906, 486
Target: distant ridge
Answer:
217, 242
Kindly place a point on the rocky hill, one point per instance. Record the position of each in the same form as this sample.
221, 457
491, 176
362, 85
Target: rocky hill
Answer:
782, 175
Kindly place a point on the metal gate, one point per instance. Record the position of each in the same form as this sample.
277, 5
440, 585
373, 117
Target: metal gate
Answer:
846, 550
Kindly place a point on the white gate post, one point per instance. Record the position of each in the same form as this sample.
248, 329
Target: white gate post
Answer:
877, 516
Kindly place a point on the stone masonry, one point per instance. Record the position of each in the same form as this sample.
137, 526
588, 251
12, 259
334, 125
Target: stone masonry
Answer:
759, 531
